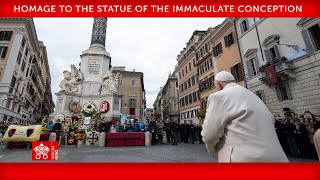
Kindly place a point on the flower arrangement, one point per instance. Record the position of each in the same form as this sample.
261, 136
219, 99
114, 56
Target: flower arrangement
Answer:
89, 109
74, 106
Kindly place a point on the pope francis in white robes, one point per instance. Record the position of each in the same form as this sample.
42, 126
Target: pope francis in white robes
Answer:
238, 126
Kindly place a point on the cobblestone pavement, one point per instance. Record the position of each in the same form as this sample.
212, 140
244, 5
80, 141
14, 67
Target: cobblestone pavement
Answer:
157, 153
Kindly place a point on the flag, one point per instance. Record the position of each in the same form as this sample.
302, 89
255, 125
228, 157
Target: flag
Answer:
271, 75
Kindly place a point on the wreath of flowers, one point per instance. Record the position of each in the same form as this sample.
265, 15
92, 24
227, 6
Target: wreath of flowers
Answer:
89, 109
74, 106
104, 107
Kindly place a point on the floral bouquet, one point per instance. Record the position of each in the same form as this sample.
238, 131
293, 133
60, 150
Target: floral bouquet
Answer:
89, 109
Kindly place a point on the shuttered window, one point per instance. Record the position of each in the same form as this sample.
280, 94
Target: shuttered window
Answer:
272, 55
3, 51
283, 91
252, 66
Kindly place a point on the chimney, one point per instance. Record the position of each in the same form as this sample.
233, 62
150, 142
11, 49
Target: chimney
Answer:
169, 73
133, 70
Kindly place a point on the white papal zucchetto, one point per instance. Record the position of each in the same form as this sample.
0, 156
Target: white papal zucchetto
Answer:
224, 76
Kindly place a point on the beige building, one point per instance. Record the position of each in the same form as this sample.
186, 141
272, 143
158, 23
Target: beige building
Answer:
170, 98
216, 52
25, 81
158, 107
188, 79
131, 87
204, 63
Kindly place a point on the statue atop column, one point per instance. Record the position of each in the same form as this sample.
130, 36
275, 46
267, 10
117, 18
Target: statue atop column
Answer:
99, 30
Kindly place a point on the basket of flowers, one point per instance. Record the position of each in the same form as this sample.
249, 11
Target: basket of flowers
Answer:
89, 109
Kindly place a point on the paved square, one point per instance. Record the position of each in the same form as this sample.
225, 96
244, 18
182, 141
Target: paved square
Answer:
158, 153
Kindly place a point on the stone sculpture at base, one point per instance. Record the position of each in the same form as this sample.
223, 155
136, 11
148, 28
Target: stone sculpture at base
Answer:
53, 136
102, 139
148, 138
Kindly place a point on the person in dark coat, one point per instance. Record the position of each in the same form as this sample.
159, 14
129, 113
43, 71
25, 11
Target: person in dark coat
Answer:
291, 138
303, 140
168, 131
174, 128
199, 129
57, 127
282, 135
185, 132
192, 132
153, 129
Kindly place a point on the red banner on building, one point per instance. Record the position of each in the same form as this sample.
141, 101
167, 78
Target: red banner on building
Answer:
159, 8
271, 75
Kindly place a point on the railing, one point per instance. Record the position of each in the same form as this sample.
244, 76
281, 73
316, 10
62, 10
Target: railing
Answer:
281, 67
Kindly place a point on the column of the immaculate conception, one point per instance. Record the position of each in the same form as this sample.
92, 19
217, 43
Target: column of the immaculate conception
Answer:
94, 82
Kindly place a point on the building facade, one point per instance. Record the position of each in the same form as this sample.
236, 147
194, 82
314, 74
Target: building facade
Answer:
282, 62
158, 107
186, 69
171, 99
25, 81
149, 114
204, 63
131, 87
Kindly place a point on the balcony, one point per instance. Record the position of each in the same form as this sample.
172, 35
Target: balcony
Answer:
284, 70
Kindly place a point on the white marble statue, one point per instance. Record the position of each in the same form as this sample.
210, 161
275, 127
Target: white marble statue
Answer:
71, 80
110, 82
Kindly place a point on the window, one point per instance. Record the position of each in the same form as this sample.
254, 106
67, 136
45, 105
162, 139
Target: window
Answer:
182, 72
252, 66
311, 37
23, 66
13, 83
206, 47
244, 26
179, 74
228, 40
186, 70
283, 91
210, 63
236, 71
19, 57
5, 35
26, 52
194, 62
3, 51
23, 42
217, 50
132, 103
133, 82
120, 82
260, 94
272, 54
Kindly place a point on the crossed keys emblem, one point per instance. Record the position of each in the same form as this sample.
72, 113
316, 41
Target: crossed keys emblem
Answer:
41, 150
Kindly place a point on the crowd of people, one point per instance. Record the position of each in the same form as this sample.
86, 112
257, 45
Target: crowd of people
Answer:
295, 134
163, 132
